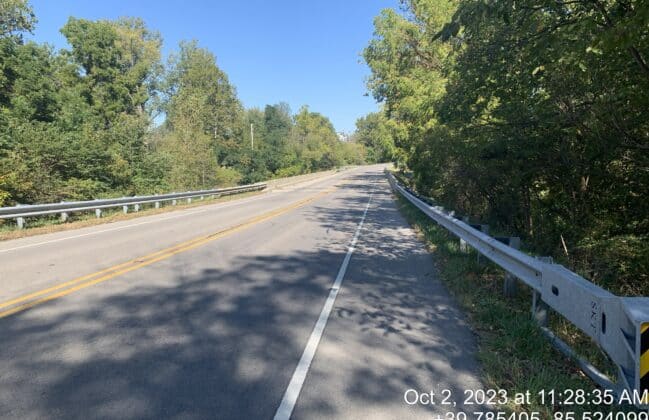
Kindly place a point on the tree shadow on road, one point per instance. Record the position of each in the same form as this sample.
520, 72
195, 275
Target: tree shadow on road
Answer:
394, 316
223, 343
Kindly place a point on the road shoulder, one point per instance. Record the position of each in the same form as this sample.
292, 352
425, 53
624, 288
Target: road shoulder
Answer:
394, 327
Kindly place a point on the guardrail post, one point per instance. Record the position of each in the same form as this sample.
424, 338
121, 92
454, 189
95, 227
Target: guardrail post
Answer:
157, 204
202, 197
540, 309
125, 209
98, 213
511, 282
173, 202
64, 215
136, 207
20, 221
189, 200
463, 246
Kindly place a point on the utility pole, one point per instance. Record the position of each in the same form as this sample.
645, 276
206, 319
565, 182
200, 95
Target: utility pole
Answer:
252, 137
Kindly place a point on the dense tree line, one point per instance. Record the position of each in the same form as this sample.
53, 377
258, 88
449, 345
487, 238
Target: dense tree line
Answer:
530, 115
108, 117
376, 133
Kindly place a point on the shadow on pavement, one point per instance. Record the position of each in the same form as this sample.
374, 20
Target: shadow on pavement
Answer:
224, 343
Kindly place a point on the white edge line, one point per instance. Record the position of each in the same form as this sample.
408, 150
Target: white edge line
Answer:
185, 213
294, 388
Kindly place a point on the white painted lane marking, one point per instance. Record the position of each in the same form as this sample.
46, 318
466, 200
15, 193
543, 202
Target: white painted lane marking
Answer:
183, 214
297, 381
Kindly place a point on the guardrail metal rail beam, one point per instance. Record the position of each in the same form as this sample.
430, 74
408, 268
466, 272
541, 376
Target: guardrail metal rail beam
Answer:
619, 325
65, 208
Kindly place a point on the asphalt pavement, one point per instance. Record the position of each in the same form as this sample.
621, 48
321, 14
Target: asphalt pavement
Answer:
217, 312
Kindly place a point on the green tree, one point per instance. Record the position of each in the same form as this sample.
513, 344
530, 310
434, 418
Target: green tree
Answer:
374, 132
16, 17
203, 116
74, 122
316, 142
528, 115
108, 78
104, 117
277, 129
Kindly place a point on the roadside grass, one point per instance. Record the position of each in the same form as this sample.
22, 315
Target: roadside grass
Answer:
514, 354
41, 225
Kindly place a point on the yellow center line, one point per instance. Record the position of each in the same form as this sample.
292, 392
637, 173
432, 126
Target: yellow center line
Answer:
46, 295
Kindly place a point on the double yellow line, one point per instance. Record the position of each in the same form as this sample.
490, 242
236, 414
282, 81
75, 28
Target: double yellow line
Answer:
24, 302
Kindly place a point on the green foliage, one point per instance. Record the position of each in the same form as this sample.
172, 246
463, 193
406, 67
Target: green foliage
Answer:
315, 141
290, 171
16, 16
529, 116
277, 128
374, 132
354, 153
227, 177
106, 117
196, 122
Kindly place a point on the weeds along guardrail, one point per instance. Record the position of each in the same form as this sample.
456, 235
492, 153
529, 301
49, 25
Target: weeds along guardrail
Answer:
20, 212
618, 325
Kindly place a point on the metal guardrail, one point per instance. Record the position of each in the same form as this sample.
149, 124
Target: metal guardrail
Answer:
619, 325
64, 208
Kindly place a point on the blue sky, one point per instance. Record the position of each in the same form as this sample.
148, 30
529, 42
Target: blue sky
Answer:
301, 52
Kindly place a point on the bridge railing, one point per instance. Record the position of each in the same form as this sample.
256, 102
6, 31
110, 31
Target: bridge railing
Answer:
618, 325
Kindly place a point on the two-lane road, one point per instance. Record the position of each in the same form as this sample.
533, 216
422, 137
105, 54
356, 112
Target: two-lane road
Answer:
228, 311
